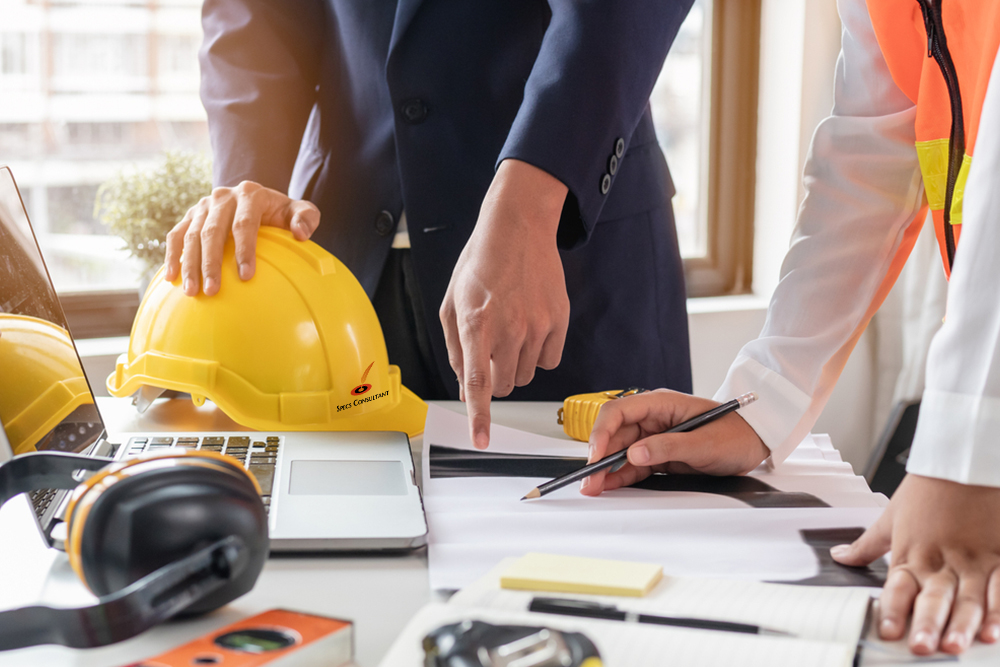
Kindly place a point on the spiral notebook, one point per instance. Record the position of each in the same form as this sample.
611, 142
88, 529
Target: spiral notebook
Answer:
825, 624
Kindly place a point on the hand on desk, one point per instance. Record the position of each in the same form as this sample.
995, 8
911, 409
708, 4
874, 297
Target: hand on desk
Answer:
945, 541
727, 446
506, 309
195, 244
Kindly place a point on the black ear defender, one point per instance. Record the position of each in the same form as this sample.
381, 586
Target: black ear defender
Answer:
176, 534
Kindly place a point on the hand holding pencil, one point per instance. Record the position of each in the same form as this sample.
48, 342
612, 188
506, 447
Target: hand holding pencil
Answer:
727, 446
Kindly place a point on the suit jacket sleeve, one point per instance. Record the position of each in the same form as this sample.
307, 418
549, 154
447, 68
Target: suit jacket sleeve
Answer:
589, 87
259, 72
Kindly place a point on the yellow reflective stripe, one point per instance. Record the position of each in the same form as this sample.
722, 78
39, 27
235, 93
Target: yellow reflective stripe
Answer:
959, 196
933, 157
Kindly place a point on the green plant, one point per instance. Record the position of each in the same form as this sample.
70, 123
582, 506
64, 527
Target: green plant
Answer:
141, 206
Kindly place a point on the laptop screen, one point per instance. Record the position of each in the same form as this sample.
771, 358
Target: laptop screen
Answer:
45, 400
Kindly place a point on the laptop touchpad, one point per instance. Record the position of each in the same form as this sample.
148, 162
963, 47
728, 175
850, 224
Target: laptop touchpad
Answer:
347, 478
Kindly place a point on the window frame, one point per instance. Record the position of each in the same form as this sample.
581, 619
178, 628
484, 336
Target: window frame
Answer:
728, 180
100, 313
728, 176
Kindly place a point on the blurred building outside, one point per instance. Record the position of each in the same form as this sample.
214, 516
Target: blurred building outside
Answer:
89, 87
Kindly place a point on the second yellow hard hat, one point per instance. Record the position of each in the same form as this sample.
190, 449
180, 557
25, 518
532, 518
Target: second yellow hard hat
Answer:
43, 382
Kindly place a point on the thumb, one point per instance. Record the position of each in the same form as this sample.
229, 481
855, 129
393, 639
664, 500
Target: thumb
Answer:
304, 219
872, 544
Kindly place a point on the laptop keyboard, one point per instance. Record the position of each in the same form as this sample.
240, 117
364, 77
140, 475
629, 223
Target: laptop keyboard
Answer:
257, 453
41, 499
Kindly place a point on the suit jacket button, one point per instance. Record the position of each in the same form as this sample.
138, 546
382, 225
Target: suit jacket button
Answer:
605, 183
414, 111
384, 223
619, 147
613, 165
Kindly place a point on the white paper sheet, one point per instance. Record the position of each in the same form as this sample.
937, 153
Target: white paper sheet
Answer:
702, 543
475, 522
503, 494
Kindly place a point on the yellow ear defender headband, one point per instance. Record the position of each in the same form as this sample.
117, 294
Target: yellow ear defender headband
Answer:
173, 534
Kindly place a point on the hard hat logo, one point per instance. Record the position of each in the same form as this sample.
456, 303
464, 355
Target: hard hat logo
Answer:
363, 388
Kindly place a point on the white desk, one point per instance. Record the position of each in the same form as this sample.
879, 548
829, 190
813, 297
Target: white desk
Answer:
379, 593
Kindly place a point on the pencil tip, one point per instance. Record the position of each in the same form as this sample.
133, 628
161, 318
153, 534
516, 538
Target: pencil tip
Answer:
534, 493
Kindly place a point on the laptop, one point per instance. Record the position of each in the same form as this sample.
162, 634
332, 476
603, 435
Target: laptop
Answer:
325, 491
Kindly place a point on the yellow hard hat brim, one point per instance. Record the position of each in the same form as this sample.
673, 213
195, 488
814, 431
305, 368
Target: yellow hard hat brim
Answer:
404, 411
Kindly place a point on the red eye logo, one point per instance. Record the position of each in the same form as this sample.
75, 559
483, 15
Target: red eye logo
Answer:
363, 388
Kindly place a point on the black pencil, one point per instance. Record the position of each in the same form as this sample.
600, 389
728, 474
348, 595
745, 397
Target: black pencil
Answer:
588, 609
618, 459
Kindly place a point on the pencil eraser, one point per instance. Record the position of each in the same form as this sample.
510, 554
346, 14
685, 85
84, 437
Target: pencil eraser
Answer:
576, 574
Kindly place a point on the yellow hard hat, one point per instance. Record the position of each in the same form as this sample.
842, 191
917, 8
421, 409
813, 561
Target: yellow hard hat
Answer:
298, 347
43, 380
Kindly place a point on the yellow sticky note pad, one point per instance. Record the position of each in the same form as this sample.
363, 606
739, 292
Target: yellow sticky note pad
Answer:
575, 574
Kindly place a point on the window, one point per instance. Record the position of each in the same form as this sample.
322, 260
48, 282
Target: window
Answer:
18, 139
100, 85
677, 106
704, 106
179, 54
13, 54
89, 55
86, 63
115, 84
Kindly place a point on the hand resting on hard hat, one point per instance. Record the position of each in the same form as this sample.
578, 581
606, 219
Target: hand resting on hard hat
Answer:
195, 244
506, 309
727, 446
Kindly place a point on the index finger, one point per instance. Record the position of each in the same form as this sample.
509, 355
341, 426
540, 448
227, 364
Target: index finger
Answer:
175, 244
653, 411
477, 384
611, 432
650, 411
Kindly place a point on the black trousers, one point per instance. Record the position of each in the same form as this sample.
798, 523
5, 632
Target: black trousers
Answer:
400, 310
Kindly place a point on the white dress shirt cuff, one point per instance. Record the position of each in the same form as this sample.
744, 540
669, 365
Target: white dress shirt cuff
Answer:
956, 438
779, 408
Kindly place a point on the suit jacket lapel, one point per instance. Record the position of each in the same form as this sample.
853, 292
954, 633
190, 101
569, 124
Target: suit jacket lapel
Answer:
405, 11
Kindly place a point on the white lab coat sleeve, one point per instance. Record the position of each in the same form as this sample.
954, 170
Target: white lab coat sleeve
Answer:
855, 228
958, 431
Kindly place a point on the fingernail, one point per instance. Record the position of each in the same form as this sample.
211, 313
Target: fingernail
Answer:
585, 484
482, 441
244, 271
840, 550
924, 640
211, 285
956, 639
639, 455
189, 287
887, 626
992, 633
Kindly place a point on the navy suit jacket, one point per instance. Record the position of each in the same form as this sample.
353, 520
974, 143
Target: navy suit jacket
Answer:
370, 107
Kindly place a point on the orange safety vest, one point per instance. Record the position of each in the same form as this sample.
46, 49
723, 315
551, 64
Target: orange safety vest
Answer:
940, 53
